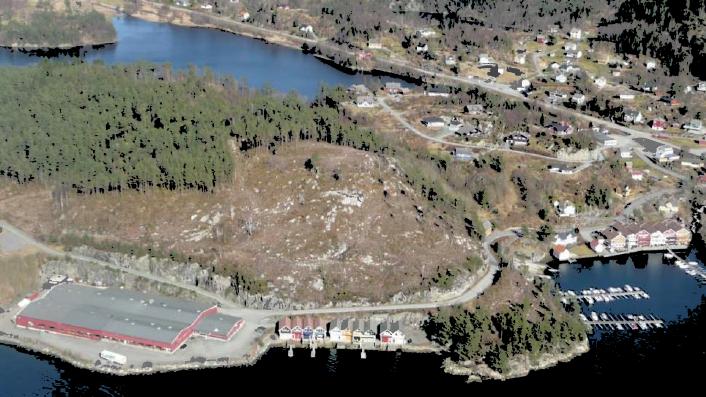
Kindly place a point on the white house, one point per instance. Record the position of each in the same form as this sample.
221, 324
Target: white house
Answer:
520, 58
244, 16
625, 153
390, 333
566, 238
450, 60
701, 86
664, 151
422, 47
365, 102
570, 46
626, 97
374, 45
307, 29
436, 91
455, 124
651, 64
636, 175
657, 239
694, 126
606, 140
578, 99
633, 116
336, 328
560, 78
668, 210
567, 209
575, 33
485, 59
208, 7
562, 253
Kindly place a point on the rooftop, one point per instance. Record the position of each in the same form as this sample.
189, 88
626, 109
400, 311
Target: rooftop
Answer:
116, 311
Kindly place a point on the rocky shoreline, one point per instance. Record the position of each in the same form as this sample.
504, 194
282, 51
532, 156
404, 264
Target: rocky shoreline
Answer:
520, 366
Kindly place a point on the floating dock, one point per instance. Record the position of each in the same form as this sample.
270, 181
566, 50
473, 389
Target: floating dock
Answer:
622, 322
593, 295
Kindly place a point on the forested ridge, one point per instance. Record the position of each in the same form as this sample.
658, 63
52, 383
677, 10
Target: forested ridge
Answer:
99, 128
533, 326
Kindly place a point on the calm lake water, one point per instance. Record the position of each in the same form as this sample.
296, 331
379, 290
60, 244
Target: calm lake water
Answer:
337, 372
254, 61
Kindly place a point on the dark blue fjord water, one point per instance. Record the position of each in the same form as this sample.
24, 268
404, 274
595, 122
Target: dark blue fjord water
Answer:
254, 61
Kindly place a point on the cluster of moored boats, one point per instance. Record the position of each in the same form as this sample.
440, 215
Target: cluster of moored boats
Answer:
691, 268
622, 322
593, 295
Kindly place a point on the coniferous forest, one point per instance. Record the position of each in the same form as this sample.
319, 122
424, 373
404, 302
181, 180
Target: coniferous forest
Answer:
98, 128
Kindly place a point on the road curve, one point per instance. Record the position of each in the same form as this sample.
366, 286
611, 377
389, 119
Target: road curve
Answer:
471, 292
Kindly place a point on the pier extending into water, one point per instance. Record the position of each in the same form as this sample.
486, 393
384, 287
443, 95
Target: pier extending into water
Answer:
622, 322
593, 295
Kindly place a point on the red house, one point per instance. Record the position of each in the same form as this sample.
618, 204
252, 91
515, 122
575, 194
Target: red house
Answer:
670, 236
659, 124
643, 238
297, 329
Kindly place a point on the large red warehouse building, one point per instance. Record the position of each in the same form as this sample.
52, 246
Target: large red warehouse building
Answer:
125, 316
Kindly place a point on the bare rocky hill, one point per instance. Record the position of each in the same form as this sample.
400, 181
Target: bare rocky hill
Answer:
313, 223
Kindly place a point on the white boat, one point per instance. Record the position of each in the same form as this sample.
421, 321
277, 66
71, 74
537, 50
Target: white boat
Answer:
582, 317
642, 325
628, 288
669, 255
693, 263
658, 325
620, 327
604, 317
646, 295
594, 316
589, 300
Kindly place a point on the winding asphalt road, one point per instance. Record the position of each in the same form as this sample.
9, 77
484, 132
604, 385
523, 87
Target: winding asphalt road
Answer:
469, 293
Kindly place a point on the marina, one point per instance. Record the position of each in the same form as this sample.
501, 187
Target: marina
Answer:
593, 295
691, 268
622, 322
